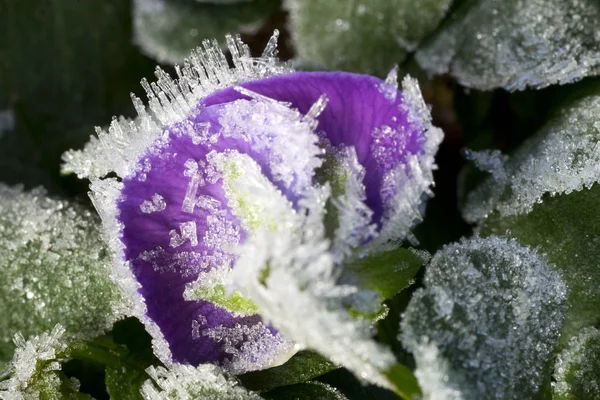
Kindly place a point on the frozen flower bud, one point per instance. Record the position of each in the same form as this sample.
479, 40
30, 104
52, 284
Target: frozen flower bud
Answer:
241, 193
486, 323
54, 268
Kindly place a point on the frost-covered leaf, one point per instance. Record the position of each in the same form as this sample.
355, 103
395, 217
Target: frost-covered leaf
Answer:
577, 369
369, 36
546, 195
486, 323
168, 29
514, 44
562, 157
34, 371
404, 381
303, 366
306, 391
184, 382
565, 227
53, 269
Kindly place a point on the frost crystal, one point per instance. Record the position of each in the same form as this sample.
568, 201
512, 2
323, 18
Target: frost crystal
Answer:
205, 71
367, 36
32, 373
52, 257
487, 321
184, 382
518, 43
577, 370
564, 156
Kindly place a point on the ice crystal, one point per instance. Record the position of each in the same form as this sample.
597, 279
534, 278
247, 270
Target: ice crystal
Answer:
514, 44
52, 257
363, 36
184, 382
32, 373
487, 321
564, 156
577, 370
170, 101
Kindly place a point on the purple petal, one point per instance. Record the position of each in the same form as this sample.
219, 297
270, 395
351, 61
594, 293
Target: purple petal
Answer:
363, 111
169, 241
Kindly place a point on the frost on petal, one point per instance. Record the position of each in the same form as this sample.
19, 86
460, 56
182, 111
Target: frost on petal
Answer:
33, 371
290, 274
51, 257
170, 100
564, 156
390, 130
514, 44
487, 321
362, 36
577, 369
185, 382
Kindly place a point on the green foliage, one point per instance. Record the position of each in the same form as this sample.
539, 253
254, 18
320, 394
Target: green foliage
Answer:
567, 229
361, 36
308, 391
168, 29
513, 44
577, 370
53, 269
303, 366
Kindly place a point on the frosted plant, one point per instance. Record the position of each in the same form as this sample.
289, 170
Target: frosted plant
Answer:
52, 258
32, 373
167, 30
184, 382
365, 36
513, 44
219, 221
486, 323
577, 370
564, 156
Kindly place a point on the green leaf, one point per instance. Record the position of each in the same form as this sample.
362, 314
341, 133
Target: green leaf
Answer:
386, 273
546, 195
369, 37
125, 367
577, 370
168, 29
566, 228
303, 366
308, 391
513, 44
53, 269
486, 322
404, 381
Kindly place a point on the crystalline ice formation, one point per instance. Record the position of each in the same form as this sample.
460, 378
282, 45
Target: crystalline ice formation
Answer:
223, 193
513, 44
368, 36
184, 382
487, 321
577, 370
564, 156
32, 373
52, 257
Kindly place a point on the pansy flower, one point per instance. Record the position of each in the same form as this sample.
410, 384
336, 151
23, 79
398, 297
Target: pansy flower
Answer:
241, 192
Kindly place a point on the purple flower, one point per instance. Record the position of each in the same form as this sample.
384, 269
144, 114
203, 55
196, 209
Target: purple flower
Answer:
313, 166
